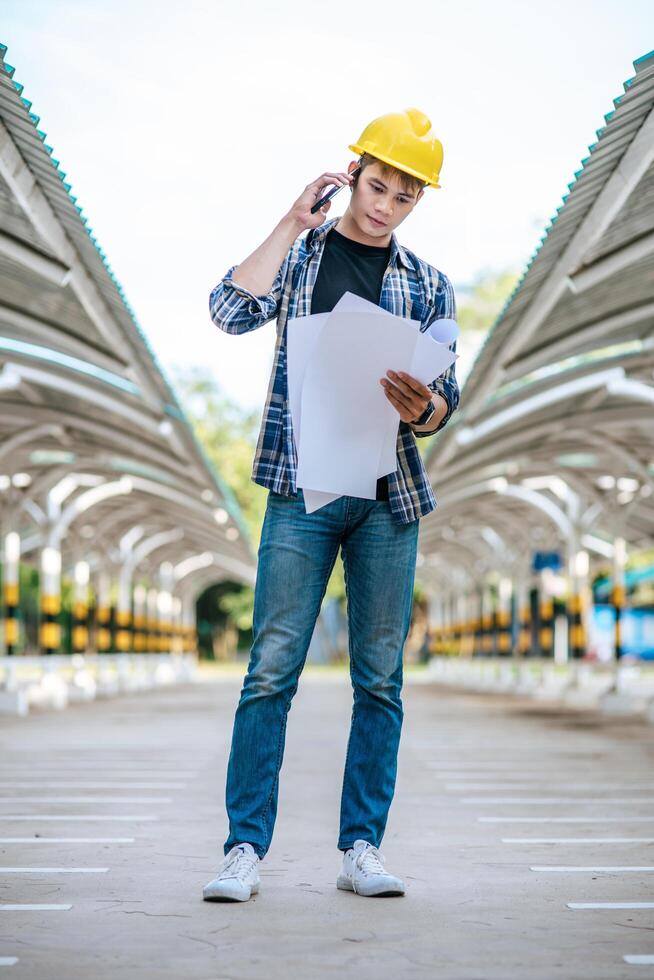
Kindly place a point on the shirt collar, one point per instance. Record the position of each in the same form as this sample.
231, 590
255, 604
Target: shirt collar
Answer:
316, 236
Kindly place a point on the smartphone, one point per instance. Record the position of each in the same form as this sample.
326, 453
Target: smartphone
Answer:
330, 194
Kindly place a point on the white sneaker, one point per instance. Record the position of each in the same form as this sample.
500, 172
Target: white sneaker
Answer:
363, 872
237, 878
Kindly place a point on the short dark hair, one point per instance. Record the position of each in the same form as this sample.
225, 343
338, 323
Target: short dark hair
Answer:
407, 181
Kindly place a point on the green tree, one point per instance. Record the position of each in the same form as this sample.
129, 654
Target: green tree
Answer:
484, 298
228, 435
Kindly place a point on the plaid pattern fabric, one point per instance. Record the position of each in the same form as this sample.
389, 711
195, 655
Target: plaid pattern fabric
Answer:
411, 288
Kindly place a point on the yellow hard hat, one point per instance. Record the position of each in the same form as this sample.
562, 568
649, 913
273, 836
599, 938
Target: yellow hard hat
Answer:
404, 140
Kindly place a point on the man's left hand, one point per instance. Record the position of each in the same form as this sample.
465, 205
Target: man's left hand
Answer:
408, 395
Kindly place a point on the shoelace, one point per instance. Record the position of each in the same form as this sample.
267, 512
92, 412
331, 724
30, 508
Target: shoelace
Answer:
241, 862
370, 861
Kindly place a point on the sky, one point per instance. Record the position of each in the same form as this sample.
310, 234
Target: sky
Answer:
187, 131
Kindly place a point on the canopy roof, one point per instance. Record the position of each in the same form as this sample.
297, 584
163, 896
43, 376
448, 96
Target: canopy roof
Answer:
553, 443
89, 423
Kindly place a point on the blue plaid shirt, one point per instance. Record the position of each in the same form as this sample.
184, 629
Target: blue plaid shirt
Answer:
411, 288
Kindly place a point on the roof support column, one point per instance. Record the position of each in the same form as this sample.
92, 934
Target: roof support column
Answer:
11, 585
80, 631
618, 592
103, 613
124, 628
545, 615
189, 622
165, 605
487, 619
140, 618
177, 637
471, 623
152, 620
523, 614
50, 599
580, 600
505, 645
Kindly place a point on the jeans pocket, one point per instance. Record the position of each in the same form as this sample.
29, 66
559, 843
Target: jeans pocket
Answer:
284, 498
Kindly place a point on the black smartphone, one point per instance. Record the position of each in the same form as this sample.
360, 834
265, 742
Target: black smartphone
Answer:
330, 194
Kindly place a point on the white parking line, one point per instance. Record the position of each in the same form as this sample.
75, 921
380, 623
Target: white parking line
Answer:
639, 959
52, 871
67, 840
556, 800
37, 775
85, 799
577, 840
77, 755
8, 960
78, 784
463, 787
34, 908
595, 869
27, 770
98, 768
71, 816
563, 819
489, 770
610, 905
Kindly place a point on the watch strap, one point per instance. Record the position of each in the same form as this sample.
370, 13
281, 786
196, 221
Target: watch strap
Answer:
426, 415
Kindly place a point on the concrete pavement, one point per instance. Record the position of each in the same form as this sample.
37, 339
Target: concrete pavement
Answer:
489, 788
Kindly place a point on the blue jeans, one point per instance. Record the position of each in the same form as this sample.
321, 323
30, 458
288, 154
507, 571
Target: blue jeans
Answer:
296, 556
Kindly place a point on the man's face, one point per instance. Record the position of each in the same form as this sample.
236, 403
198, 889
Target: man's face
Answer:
380, 197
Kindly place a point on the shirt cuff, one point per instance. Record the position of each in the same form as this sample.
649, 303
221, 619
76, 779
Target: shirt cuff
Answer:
258, 304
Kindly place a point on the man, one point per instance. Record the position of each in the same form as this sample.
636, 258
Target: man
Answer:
290, 276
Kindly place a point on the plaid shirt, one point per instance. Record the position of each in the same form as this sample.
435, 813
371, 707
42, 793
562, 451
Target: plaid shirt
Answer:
411, 288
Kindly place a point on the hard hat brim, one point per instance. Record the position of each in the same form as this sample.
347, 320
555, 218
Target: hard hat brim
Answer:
356, 148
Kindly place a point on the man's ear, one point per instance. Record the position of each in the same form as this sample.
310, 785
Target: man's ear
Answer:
422, 191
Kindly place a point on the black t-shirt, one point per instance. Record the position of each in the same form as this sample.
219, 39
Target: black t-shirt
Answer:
345, 266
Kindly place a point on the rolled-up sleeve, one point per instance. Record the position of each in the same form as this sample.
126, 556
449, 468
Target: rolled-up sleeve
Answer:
446, 385
236, 309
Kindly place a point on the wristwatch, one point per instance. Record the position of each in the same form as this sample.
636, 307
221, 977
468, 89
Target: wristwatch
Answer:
426, 415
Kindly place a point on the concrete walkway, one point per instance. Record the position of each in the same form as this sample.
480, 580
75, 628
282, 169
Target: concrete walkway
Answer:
484, 900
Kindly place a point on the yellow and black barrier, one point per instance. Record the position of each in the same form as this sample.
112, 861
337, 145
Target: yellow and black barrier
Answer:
140, 636
123, 632
79, 637
524, 632
11, 617
50, 629
165, 635
504, 632
618, 600
103, 629
152, 637
546, 628
576, 633
487, 634
479, 636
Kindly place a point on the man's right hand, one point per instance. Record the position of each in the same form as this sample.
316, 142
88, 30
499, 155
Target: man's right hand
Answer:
300, 211
258, 271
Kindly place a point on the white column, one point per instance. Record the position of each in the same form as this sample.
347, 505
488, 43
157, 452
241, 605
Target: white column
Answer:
11, 591
80, 636
153, 620
103, 612
50, 638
